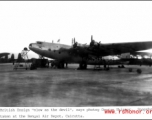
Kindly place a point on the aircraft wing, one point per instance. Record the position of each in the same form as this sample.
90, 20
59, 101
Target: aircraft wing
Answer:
119, 48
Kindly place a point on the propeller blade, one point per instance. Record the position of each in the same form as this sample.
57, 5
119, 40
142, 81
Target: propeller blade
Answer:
91, 37
72, 41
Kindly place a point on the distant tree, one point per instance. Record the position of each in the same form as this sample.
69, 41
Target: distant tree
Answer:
6, 58
12, 58
19, 59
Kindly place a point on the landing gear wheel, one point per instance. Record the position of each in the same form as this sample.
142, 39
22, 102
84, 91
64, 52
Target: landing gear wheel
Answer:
107, 69
139, 71
82, 66
61, 65
130, 69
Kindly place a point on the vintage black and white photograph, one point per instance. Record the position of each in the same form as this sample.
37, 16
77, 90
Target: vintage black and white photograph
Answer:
75, 53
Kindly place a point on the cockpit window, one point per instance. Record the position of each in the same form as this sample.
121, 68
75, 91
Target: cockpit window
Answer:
38, 42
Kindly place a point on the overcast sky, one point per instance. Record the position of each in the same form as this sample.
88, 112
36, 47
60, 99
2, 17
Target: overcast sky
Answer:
25, 22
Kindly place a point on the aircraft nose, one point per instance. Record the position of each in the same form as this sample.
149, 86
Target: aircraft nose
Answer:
30, 45
33, 46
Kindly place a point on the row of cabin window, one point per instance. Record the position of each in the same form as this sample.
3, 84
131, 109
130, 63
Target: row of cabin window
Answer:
54, 51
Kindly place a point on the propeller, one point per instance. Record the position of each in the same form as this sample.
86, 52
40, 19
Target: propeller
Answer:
74, 40
94, 43
75, 44
91, 37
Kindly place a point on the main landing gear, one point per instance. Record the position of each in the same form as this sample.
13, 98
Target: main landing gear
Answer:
60, 65
121, 66
139, 71
82, 66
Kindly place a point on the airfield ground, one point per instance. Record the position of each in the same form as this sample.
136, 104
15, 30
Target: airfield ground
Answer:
46, 87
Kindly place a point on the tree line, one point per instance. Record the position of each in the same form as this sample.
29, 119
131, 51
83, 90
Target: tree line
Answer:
12, 59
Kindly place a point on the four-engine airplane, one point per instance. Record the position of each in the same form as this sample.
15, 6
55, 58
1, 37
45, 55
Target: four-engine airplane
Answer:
85, 54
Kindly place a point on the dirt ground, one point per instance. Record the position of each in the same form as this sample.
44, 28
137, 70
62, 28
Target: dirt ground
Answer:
46, 87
